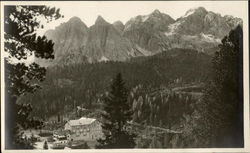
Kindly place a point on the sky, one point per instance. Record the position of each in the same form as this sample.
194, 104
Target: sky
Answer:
112, 11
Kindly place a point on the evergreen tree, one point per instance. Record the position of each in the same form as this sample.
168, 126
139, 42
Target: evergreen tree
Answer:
117, 114
21, 41
223, 100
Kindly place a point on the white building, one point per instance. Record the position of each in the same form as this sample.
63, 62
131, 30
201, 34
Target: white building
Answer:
88, 129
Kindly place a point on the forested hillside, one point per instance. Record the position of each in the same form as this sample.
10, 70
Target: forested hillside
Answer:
84, 84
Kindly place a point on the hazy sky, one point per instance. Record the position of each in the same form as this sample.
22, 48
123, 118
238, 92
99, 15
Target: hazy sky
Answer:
112, 11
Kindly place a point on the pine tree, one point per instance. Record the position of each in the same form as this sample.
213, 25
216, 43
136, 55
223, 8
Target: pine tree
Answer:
222, 110
21, 41
117, 114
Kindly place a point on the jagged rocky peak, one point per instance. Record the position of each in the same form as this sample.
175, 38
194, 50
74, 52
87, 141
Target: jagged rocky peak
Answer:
141, 35
105, 42
233, 21
156, 12
156, 18
197, 10
119, 26
69, 40
211, 17
73, 28
144, 30
160, 15
119, 23
75, 19
99, 20
73, 22
200, 9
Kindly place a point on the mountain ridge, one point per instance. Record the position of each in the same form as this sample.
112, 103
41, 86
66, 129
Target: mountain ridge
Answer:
143, 35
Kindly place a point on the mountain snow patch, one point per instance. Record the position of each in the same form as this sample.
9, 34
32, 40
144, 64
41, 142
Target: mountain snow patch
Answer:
209, 38
189, 13
144, 18
172, 28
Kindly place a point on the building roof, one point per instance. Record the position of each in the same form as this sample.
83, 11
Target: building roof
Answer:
62, 132
81, 121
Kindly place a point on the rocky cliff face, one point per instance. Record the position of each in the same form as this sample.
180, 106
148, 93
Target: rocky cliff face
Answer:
76, 43
199, 20
143, 35
146, 31
70, 39
105, 42
119, 26
199, 29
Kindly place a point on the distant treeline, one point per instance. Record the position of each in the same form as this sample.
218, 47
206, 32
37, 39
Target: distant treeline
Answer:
68, 86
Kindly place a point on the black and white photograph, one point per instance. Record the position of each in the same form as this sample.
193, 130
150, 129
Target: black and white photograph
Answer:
124, 75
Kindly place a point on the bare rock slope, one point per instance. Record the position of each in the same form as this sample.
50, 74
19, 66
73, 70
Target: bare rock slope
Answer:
143, 35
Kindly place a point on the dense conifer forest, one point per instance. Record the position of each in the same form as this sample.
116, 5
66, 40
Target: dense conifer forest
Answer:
84, 85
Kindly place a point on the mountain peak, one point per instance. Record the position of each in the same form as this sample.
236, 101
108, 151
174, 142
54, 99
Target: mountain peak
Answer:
119, 26
75, 19
156, 12
118, 23
199, 10
100, 20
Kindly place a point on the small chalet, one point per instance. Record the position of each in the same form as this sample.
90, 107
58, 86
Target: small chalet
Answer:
88, 129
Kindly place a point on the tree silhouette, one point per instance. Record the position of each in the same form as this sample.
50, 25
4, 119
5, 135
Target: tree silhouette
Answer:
20, 42
117, 115
223, 100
